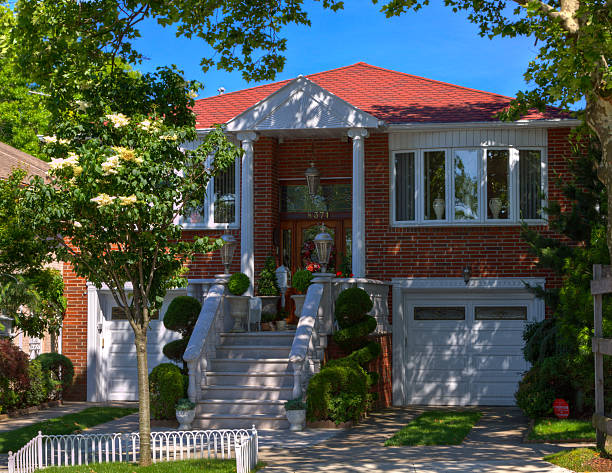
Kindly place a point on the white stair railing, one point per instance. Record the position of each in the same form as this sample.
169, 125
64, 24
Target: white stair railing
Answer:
307, 351
204, 340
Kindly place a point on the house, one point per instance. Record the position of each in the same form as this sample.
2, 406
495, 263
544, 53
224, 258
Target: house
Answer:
424, 191
10, 160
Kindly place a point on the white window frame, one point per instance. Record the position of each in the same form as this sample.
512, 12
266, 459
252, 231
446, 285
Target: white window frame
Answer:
449, 220
208, 222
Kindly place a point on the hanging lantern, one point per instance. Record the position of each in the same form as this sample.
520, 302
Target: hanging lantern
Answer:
227, 251
313, 178
323, 244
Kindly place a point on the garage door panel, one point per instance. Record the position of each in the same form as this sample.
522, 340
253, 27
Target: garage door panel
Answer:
458, 376
499, 362
446, 362
502, 338
435, 338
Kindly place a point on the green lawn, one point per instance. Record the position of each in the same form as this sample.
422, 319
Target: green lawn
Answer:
580, 459
15, 439
182, 466
436, 428
555, 430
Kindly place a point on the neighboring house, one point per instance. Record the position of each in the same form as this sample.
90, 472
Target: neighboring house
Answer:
421, 187
11, 159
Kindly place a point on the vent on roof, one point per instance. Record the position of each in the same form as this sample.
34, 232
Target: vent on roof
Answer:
221, 90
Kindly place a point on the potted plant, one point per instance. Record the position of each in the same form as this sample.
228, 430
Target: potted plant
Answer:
300, 282
267, 287
281, 320
295, 409
237, 285
185, 413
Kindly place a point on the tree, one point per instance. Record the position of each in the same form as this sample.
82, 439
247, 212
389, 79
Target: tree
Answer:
23, 115
119, 185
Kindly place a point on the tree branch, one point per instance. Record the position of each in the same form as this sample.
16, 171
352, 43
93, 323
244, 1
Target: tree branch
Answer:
566, 16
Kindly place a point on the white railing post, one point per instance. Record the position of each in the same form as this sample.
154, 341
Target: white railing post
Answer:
39, 450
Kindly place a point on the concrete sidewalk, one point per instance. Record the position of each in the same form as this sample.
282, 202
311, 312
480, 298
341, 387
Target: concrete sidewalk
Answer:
45, 414
494, 445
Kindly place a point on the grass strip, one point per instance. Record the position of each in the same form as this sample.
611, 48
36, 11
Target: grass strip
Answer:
179, 466
436, 428
556, 430
15, 439
579, 459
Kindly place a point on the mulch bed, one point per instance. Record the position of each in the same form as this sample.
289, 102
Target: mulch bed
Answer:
600, 464
29, 410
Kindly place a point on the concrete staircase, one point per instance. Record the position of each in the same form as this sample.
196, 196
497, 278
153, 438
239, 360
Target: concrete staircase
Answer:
248, 382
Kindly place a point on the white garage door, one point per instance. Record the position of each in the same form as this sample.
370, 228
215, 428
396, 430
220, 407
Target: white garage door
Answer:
119, 352
464, 349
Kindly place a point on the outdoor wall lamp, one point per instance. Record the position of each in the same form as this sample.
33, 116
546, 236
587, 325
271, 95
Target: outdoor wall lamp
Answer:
467, 273
227, 251
313, 178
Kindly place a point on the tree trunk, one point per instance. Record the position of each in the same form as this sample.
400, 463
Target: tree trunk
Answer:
144, 409
599, 119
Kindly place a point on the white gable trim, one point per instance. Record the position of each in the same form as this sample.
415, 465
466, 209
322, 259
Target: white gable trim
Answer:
301, 104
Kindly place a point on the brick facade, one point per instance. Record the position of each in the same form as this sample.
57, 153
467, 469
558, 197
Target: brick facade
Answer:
491, 251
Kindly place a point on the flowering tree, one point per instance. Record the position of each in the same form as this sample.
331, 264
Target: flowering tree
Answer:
119, 186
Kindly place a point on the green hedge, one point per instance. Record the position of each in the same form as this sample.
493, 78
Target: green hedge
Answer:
166, 387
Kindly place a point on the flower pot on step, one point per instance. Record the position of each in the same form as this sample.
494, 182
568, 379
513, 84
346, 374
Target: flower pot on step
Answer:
238, 309
269, 304
298, 299
297, 419
185, 418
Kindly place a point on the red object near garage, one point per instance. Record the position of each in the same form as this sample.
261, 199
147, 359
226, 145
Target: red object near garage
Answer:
561, 408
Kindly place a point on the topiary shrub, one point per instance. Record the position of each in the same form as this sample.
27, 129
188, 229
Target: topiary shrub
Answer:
238, 284
352, 307
181, 316
166, 387
60, 372
14, 379
301, 280
267, 285
37, 391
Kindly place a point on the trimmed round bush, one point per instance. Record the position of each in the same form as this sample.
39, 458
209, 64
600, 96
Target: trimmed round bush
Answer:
37, 392
238, 284
352, 307
166, 387
301, 280
182, 314
176, 349
59, 367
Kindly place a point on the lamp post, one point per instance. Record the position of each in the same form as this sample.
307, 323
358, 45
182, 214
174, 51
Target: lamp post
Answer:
282, 279
313, 178
323, 244
227, 251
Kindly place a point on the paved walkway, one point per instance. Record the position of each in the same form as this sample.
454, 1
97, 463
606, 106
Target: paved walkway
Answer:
494, 445
45, 414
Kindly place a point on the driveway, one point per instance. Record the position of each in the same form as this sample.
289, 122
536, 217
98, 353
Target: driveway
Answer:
493, 445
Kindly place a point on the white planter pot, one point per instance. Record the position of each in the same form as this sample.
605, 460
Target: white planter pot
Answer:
297, 419
281, 325
438, 206
185, 418
495, 205
299, 303
269, 304
238, 309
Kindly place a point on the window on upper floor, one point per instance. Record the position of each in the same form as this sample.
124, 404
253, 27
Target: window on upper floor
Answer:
463, 186
221, 205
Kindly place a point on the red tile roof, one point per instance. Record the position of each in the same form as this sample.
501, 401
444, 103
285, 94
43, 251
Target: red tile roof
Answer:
392, 96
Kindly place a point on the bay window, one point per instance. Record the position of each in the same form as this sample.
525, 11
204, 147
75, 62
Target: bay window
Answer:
468, 186
221, 205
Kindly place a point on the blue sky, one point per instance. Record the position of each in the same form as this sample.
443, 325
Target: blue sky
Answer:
434, 42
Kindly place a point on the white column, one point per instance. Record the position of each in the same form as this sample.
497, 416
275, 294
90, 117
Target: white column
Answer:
358, 237
247, 250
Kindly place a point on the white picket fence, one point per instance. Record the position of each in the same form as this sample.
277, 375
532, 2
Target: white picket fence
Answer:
82, 449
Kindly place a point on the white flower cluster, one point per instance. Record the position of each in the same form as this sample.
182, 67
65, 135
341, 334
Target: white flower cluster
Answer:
168, 137
72, 161
104, 199
112, 163
192, 94
118, 119
148, 125
54, 139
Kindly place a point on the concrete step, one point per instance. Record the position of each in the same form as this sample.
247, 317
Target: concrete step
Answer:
253, 351
240, 407
229, 421
225, 378
247, 392
248, 365
284, 338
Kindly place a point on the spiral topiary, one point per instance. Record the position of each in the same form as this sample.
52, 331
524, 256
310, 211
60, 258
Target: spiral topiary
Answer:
267, 284
181, 316
238, 284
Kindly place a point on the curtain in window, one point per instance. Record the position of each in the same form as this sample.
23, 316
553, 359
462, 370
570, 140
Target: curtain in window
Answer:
224, 185
530, 181
404, 186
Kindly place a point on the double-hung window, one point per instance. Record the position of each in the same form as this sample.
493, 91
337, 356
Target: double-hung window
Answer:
494, 185
221, 206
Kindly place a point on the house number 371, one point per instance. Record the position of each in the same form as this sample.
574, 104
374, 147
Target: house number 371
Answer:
318, 215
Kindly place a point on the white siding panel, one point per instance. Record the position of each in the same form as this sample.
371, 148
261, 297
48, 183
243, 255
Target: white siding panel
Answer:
465, 138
